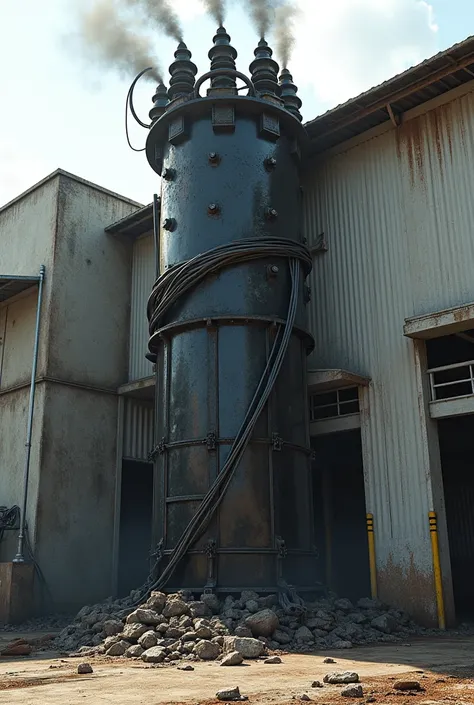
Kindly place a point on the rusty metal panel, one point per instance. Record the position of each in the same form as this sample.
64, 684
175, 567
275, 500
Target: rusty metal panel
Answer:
397, 212
143, 276
138, 429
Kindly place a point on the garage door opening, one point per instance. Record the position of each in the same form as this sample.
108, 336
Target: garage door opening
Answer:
456, 440
135, 525
340, 513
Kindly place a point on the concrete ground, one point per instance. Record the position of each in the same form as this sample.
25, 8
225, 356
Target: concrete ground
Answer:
444, 668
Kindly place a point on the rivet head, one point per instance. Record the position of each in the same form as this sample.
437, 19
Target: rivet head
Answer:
214, 158
169, 224
213, 208
271, 214
270, 163
168, 174
274, 269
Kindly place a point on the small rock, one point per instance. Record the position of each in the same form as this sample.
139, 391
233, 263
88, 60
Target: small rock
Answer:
233, 659
329, 660
133, 632
175, 608
262, 623
303, 634
279, 636
148, 639
407, 685
207, 650
117, 649
154, 655
199, 609
366, 603
317, 684
249, 648
242, 631
144, 616
185, 667
229, 694
352, 691
341, 677
385, 623
112, 627
273, 659
252, 606
371, 699
111, 640
134, 651
212, 602
203, 633
344, 605
156, 601
305, 697
84, 668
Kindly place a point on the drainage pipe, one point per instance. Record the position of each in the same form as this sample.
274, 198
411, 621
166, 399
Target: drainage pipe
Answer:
19, 558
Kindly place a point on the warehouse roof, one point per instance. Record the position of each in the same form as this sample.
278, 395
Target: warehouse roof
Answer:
388, 101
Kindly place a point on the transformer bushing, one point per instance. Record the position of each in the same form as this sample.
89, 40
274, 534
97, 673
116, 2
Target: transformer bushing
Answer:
230, 175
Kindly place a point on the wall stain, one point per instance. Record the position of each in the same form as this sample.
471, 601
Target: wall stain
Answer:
410, 589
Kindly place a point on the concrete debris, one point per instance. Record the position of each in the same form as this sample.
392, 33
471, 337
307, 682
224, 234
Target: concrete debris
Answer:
18, 647
154, 655
305, 697
352, 691
343, 677
229, 694
233, 659
317, 684
262, 623
84, 668
329, 660
273, 659
185, 667
407, 685
182, 627
248, 647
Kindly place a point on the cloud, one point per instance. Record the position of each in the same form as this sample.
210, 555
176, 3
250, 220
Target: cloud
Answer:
345, 47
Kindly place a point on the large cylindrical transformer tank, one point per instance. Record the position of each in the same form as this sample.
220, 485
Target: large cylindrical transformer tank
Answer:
230, 174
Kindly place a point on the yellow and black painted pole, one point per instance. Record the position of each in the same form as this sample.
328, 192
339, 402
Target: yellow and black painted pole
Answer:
437, 569
372, 564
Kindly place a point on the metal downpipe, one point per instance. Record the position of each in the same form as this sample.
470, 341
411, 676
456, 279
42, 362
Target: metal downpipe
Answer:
19, 558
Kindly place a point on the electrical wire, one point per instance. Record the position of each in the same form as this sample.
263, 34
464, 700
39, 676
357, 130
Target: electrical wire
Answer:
167, 290
129, 105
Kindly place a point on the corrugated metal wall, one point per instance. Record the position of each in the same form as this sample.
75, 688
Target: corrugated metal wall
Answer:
143, 276
398, 214
138, 429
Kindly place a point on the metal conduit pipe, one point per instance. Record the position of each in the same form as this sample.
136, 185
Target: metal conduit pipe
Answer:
19, 558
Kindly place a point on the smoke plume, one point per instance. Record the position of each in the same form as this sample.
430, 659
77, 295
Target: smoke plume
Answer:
262, 14
285, 39
216, 8
113, 42
161, 13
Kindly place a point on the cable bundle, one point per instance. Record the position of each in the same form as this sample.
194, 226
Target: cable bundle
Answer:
167, 290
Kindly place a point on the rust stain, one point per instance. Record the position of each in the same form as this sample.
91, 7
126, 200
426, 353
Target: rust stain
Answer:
410, 141
409, 589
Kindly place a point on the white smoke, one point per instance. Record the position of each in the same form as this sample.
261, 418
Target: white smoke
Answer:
345, 47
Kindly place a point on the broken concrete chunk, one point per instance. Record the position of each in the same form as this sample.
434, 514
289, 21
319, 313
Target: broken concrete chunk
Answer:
84, 668
352, 691
262, 623
341, 677
232, 659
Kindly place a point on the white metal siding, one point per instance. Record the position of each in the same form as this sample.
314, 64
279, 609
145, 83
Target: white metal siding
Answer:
143, 276
138, 429
398, 215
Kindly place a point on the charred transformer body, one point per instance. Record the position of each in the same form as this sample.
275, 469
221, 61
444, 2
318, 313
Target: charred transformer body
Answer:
232, 506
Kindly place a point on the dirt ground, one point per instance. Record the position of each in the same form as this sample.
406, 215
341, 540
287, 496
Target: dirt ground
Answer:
443, 667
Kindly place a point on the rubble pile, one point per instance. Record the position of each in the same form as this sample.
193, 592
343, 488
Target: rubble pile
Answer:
173, 627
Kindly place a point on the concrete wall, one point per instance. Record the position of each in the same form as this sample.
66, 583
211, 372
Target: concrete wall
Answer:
396, 209
76, 495
27, 228
83, 359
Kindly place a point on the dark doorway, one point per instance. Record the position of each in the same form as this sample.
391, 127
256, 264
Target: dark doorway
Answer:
456, 441
135, 525
340, 513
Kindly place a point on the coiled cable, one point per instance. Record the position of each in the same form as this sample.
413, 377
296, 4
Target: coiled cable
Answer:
166, 292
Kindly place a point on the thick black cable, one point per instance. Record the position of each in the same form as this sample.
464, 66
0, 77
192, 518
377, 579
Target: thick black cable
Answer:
167, 290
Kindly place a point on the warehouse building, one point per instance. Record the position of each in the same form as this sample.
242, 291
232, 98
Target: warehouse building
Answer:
388, 218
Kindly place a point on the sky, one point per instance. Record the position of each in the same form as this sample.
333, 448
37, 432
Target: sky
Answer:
59, 108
